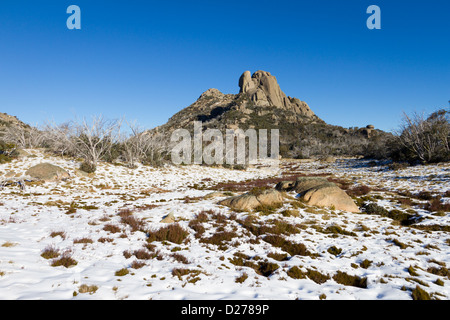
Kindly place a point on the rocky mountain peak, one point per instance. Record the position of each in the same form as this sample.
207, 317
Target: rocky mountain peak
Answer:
259, 103
264, 91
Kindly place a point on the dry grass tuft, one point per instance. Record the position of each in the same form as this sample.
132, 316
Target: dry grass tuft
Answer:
65, 260
173, 233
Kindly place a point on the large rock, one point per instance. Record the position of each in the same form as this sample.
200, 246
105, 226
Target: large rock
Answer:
251, 200
264, 91
330, 196
47, 172
318, 191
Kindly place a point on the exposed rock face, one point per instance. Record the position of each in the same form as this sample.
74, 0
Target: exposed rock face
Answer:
318, 191
260, 101
212, 93
47, 172
261, 104
264, 91
329, 196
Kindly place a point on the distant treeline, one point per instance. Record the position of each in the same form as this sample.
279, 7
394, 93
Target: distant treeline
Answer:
419, 139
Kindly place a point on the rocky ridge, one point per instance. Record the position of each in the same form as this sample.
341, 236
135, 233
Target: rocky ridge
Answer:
7, 120
261, 104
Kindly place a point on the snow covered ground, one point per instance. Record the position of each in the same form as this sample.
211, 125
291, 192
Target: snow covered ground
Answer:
83, 218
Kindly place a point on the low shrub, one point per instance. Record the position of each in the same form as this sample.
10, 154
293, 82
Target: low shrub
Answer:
50, 252
436, 205
242, 278
278, 256
334, 251
348, 280
88, 167
296, 273
290, 247
219, 239
316, 276
122, 272
126, 217
66, 261
358, 191
267, 268
83, 240
181, 272
373, 208
112, 228
180, 258
404, 218
84, 288
137, 264
419, 294
264, 268
173, 233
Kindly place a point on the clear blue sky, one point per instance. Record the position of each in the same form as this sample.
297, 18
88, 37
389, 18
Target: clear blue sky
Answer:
146, 60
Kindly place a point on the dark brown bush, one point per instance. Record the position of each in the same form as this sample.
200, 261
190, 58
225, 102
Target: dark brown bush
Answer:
219, 238
137, 264
436, 205
83, 240
135, 223
172, 233
111, 228
180, 258
290, 247
142, 254
358, 191
198, 227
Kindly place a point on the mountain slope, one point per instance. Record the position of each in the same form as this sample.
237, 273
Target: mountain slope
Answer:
261, 104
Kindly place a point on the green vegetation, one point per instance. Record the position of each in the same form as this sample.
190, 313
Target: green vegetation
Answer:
7, 152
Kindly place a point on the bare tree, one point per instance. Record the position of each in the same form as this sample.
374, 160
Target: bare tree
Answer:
426, 138
90, 140
23, 137
144, 146
135, 145
57, 138
93, 140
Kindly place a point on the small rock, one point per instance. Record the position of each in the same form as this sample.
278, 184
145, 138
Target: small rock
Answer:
168, 219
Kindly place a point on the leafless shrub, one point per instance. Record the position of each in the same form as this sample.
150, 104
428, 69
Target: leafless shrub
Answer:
142, 146
23, 137
426, 139
91, 140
